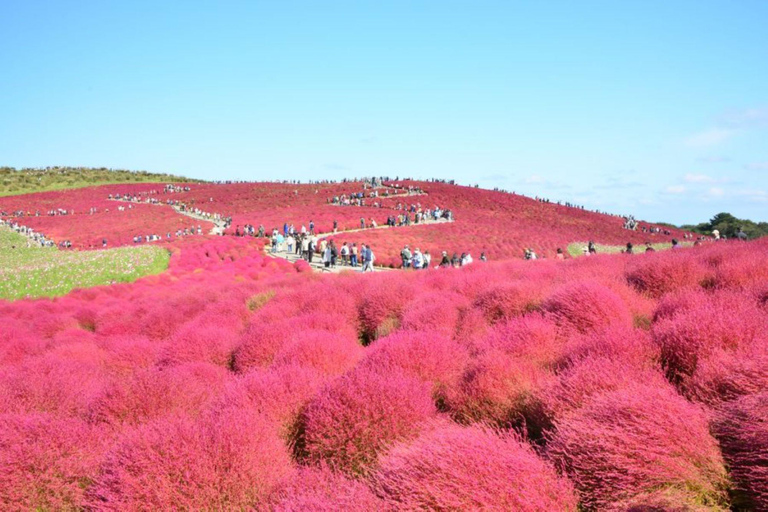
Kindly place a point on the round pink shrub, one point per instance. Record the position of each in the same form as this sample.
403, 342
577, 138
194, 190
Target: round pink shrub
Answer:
660, 274
381, 307
742, 429
505, 301
327, 352
259, 344
50, 383
428, 356
637, 440
231, 462
705, 328
322, 490
631, 346
531, 337
156, 392
46, 463
726, 375
279, 394
17, 342
200, 342
470, 468
592, 376
585, 307
500, 389
434, 311
349, 422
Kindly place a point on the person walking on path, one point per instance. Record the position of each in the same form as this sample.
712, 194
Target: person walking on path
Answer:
368, 258
353, 255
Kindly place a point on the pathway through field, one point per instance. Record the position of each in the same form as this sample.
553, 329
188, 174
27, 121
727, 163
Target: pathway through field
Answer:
317, 263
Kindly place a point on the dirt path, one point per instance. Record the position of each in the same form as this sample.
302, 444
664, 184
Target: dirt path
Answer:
317, 263
218, 225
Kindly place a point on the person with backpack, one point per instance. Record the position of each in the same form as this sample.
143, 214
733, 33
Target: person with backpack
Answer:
405, 255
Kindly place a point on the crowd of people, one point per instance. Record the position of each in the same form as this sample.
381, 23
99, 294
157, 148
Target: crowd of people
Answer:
33, 236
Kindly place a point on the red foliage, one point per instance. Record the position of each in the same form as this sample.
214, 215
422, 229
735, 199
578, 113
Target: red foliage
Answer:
586, 307
327, 352
157, 392
46, 463
458, 468
428, 356
633, 441
705, 327
500, 389
322, 490
350, 422
231, 462
742, 429
505, 301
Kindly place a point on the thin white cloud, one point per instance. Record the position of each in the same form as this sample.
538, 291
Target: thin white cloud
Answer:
714, 159
748, 118
757, 166
716, 192
675, 189
698, 178
707, 138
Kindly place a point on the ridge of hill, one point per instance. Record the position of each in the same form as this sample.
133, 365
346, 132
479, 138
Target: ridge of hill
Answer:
29, 180
501, 225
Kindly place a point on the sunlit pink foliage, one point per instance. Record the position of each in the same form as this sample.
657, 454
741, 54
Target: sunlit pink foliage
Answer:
157, 392
504, 301
278, 394
231, 462
498, 388
322, 490
532, 337
586, 307
470, 468
741, 427
46, 463
351, 421
703, 329
659, 274
435, 311
330, 353
425, 355
635, 440
198, 341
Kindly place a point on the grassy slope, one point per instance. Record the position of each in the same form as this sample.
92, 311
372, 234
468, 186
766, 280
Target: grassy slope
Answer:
25, 181
46, 272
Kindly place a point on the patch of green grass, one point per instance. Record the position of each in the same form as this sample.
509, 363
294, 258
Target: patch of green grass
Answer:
26, 181
33, 271
576, 249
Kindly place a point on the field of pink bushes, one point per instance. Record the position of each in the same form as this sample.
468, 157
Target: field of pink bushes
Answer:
501, 225
85, 229
237, 381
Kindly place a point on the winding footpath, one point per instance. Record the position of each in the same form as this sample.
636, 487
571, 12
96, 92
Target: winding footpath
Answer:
317, 263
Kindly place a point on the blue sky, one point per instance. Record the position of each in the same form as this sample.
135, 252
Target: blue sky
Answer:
653, 108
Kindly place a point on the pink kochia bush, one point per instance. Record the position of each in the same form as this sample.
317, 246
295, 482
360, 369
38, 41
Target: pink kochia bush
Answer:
742, 429
233, 461
428, 356
499, 389
707, 341
632, 442
585, 307
470, 468
320, 489
46, 463
351, 421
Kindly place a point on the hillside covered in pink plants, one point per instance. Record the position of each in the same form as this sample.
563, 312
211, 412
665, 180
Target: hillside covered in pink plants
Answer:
239, 381
499, 224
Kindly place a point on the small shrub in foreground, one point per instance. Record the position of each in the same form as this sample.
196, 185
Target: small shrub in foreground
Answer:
632, 441
470, 468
